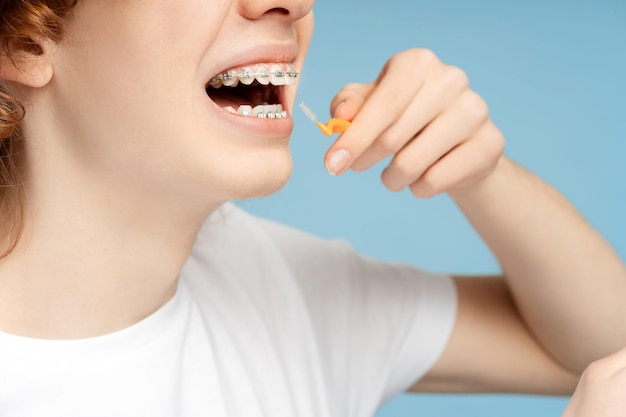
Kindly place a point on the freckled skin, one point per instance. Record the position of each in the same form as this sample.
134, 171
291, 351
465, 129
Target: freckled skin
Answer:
148, 79
126, 155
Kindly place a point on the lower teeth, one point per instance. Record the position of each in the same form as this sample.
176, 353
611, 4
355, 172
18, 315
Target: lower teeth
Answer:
263, 111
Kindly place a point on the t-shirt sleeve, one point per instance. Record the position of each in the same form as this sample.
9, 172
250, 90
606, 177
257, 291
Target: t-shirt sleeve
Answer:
380, 326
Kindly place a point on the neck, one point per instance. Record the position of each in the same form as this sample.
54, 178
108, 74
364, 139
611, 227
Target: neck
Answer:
93, 259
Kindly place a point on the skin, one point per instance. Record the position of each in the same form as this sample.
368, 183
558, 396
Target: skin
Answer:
123, 144
102, 161
602, 389
516, 333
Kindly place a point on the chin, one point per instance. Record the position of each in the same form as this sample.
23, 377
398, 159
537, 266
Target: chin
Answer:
264, 180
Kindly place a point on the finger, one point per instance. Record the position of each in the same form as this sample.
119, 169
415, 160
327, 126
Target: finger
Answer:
384, 105
346, 104
443, 134
437, 94
470, 161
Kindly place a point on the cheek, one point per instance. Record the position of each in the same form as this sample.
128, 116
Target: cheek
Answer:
122, 78
126, 95
304, 32
139, 44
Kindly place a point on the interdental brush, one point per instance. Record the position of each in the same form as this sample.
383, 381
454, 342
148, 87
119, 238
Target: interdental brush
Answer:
334, 125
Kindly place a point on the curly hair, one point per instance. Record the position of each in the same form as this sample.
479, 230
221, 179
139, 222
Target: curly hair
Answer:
21, 23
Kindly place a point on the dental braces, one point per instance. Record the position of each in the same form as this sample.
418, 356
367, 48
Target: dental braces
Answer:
258, 111
274, 115
246, 75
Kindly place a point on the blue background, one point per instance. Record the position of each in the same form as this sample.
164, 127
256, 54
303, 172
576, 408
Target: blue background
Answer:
553, 73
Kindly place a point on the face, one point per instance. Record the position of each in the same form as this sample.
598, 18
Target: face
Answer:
139, 94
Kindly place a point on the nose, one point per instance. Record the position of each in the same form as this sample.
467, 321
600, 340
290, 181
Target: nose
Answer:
290, 10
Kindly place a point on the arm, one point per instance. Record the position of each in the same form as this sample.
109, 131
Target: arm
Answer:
568, 284
559, 305
602, 389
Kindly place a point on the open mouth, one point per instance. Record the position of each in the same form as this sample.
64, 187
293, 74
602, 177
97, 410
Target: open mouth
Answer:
254, 90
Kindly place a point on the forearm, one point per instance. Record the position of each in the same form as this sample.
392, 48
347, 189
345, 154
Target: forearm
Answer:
567, 282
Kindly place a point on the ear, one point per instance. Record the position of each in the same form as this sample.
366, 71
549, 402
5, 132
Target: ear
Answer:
31, 67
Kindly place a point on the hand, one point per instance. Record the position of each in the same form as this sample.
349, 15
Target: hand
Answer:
424, 114
601, 391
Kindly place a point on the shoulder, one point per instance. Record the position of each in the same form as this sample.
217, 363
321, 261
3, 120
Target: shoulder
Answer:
233, 245
233, 232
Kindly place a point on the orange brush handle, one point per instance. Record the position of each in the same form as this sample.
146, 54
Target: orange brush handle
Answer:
334, 125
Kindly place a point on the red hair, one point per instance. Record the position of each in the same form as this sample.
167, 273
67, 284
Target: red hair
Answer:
21, 23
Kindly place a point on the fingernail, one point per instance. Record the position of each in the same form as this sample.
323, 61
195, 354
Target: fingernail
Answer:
337, 109
337, 161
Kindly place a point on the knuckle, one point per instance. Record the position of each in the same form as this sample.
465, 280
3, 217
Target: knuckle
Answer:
403, 167
474, 105
456, 78
432, 182
424, 55
493, 139
495, 142
414, 56
421, 189
385, 145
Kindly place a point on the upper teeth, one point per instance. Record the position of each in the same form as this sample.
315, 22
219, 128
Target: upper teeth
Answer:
275, 74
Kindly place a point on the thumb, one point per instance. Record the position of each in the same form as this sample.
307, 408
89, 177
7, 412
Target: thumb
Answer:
346, 104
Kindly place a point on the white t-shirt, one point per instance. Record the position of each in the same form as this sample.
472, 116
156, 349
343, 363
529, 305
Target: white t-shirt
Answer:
267, 321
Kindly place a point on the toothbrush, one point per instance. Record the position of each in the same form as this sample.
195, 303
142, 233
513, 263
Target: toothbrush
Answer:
334, 125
